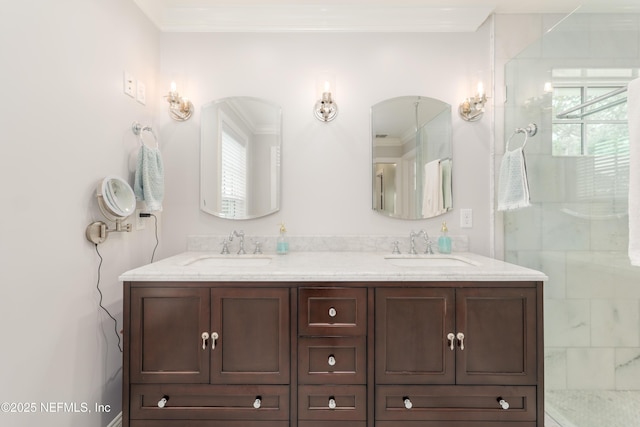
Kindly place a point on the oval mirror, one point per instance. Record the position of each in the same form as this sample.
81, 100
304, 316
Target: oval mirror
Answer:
240, 148
116, 198
411, 157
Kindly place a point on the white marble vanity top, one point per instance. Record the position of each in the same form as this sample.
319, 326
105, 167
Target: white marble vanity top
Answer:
329, 266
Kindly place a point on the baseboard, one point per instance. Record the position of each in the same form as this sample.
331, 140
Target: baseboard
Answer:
117, 421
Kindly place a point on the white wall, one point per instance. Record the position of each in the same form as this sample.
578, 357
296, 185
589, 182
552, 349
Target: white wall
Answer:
326, 166
64, 124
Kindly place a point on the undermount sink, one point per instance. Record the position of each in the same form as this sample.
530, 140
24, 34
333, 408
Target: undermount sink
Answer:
229, 261
429, 261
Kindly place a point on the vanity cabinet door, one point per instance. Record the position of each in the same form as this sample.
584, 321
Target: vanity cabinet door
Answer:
499, 327
412, 326
166, 335
252, 329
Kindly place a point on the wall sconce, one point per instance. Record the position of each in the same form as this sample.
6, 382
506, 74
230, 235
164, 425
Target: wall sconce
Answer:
472, 109
180, 108
326, 109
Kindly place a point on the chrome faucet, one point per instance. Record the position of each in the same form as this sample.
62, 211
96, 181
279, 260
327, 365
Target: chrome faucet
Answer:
412, 242
239, 234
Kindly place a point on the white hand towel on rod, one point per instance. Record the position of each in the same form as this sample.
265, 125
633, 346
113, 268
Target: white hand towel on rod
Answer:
633, 119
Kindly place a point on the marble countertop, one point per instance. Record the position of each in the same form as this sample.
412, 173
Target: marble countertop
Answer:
203, 266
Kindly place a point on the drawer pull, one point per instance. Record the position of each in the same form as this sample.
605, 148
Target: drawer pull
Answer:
332, 312
214, 337
407, 402
503, 403
205, 337
332, 403
332, 360
460, 337
258, 402
451, 340
163, 402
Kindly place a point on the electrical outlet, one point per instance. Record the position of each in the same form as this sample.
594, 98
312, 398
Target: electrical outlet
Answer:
141, 93
140, 224
466, 218
129, 85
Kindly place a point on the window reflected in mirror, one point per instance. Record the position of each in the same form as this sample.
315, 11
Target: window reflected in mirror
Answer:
240, 158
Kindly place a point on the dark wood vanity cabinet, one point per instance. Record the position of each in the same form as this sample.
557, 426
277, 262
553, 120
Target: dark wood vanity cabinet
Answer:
456, 356
451, 354
214, 356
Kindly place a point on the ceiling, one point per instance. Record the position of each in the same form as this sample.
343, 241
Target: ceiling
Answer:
354, 15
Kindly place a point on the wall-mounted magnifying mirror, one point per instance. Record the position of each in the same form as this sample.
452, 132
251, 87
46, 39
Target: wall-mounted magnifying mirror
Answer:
411, 157
117, 202
240, 149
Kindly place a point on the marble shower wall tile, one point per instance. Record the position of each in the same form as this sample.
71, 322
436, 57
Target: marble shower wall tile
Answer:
627, 369
591, 368
567, 323
615, 323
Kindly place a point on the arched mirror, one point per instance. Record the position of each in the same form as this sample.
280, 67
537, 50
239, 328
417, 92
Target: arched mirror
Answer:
411, 157
240, 158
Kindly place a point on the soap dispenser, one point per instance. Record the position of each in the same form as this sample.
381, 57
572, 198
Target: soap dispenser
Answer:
444, 241
282, 245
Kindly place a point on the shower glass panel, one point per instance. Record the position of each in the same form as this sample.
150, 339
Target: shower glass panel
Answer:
576, 229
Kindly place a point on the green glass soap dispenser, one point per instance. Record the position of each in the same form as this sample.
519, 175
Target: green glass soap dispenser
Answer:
444, 241
282, 245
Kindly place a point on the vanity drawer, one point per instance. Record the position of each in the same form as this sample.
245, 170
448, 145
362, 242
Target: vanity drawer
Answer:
208, 402
455, 403
315, 402
331, 312
332, 360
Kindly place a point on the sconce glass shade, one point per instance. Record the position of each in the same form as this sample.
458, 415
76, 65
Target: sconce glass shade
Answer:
325, 109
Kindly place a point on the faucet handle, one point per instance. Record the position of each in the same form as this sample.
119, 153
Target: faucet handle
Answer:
396, 249
429, 249
225, 247
258, 248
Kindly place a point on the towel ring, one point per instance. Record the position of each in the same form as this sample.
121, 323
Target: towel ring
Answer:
530, 130
137, 129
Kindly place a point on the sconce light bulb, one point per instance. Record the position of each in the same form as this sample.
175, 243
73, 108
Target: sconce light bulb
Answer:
173, 87
327, 86
480, 90
548, 87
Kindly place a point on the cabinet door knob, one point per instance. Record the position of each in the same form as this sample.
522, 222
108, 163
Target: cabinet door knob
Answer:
162, 402
205, 337
460, 337
332, 360
503, 403
214, 337
258, 402
451, 340
332, 312
407, 403
332, 403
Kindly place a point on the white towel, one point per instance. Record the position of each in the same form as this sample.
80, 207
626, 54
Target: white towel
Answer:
513, 187
633, 118
432, 189
447, 197
149, 178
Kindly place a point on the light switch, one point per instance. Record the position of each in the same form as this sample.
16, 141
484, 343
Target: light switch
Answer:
129, 85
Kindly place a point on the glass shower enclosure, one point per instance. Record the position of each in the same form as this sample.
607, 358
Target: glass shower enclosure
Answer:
572, 84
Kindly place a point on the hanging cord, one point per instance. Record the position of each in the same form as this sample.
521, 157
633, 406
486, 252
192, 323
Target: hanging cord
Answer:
115, 327
155, 219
